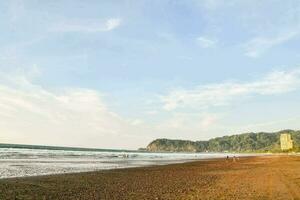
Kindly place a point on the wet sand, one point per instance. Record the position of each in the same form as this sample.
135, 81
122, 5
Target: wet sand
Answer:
268, 177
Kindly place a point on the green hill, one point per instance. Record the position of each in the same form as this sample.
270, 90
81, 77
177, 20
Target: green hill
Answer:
246, 142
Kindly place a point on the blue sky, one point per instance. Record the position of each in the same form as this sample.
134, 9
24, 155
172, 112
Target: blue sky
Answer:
117, 74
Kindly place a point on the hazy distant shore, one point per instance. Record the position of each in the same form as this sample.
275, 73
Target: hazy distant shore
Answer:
266, 177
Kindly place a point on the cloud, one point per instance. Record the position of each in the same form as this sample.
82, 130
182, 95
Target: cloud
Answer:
259, 45
88, 26
72, 116
205, 42
193, 126
208, 121
112, 24
277, 82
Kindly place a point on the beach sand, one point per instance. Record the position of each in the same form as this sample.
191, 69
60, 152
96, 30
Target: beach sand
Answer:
266, 177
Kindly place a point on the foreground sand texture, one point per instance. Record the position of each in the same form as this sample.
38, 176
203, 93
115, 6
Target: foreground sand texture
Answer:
272, 177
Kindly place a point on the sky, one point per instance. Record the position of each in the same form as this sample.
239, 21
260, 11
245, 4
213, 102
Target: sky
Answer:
120, 73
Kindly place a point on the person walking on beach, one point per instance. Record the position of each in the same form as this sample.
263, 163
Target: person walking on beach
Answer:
227, 158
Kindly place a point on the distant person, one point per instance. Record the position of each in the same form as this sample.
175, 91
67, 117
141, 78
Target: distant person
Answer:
227, 158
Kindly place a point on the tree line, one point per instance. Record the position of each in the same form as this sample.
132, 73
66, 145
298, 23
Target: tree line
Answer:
246, 142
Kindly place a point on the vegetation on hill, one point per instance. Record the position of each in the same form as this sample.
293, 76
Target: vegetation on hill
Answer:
247, 142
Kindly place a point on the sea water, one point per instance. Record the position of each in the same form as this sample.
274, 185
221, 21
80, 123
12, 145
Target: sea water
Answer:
19, 162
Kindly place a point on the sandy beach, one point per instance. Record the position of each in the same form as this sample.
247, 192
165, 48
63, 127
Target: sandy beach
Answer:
267, 177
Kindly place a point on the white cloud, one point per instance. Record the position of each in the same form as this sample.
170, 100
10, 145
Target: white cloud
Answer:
205, 42
208, 121
259, 45
193, 126
88, 25
205, 96
74, 117
111, 24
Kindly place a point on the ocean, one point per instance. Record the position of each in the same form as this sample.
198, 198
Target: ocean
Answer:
23, 160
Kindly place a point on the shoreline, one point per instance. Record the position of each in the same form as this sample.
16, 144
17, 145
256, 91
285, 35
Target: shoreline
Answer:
20, 163
151, 163
254, 177
112, 169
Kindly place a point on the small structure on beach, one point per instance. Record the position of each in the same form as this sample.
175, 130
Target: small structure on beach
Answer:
286, 142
